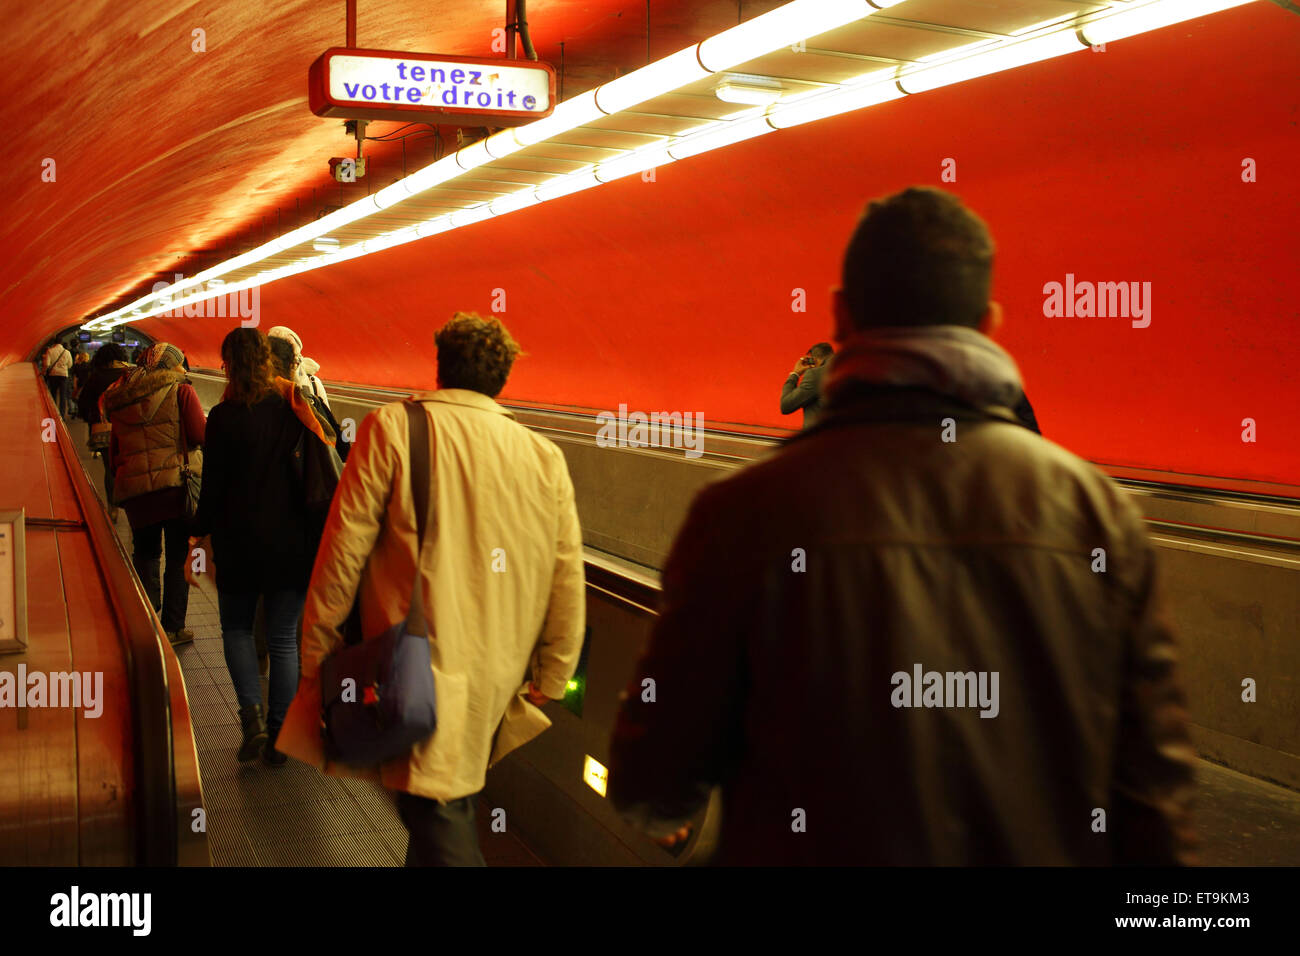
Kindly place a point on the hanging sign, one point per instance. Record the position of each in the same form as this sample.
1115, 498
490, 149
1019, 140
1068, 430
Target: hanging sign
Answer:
453, 90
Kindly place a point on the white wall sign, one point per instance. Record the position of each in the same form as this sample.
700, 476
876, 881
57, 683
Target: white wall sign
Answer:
459, 91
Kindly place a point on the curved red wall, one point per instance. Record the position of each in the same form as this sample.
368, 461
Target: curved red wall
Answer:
1123, 165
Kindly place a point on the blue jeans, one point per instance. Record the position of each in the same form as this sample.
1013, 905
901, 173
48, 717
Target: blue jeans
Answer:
283, 609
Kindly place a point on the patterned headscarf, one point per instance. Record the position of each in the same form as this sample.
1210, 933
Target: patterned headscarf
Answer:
163, 355
301, 374
290, 336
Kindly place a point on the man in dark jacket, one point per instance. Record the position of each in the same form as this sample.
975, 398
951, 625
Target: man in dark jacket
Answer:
108, 365
803, 386
920, 633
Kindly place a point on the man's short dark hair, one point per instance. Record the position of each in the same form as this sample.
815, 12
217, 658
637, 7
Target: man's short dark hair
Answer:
822, 351
109, 352
918, 257
475, 353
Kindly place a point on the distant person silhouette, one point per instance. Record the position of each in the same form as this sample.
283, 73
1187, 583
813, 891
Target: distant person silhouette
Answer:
802, 388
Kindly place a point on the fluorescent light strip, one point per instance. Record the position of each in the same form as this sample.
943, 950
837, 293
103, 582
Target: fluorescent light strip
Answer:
670, 73
993, 61
748, 94
467, 217
729, 134
832, 103
1152, 16
432, 227
390, 239
566, 185
637, 162
515, 201
1116, 26
786, 25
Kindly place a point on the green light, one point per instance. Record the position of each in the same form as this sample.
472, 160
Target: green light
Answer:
572, 685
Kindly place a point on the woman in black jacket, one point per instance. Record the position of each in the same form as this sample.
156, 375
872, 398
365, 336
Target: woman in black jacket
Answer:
253, 506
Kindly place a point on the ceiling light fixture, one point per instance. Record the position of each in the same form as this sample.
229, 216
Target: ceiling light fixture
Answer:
750, 94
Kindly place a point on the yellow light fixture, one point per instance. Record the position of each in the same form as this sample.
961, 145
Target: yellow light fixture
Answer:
595, 775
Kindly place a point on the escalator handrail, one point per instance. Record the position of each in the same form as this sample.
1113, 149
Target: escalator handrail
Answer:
1223, 535
642, 598
1195, 486
639, 597
140, 633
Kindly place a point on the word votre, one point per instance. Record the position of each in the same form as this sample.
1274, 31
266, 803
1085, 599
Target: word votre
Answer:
371, 91
950, 689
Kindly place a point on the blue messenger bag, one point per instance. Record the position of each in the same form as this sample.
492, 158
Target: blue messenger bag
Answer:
378, 696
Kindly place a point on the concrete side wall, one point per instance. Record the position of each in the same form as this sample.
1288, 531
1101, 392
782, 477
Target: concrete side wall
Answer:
1237, 606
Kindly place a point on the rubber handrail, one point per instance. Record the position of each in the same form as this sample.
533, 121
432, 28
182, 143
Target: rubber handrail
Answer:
140, 632
768, 436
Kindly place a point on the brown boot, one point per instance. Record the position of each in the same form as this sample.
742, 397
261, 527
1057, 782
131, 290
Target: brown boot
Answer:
254, 733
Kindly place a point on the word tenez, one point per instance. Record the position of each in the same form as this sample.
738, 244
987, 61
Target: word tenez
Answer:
951, 689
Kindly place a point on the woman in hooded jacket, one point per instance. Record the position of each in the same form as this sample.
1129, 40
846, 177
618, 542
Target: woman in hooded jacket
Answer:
157, 428
262, 531
305, 368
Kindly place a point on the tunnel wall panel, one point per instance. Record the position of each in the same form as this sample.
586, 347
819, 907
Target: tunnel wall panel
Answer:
1123, 165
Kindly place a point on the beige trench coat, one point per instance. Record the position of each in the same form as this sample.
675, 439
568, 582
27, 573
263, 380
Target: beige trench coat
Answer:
502, 584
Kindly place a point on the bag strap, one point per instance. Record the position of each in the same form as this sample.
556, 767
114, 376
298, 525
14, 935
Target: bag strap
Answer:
180, 433
421, 474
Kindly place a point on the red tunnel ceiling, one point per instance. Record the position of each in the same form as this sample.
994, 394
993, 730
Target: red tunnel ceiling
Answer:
676, 294
168, 159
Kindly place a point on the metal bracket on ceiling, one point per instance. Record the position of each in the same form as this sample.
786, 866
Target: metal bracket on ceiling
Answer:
357, 128
517, 25
512, 26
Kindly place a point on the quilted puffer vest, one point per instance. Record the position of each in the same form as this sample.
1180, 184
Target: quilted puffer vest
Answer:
145, 413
